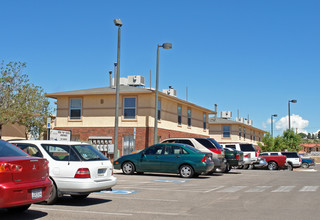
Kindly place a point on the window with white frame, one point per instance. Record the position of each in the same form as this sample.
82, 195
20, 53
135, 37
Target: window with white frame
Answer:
189, 117
159, 109
75, 109
129, 108
226, 131
179, 115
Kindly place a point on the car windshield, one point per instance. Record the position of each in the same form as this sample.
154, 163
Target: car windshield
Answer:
191, 148
9, 150
88, 152
215, 143
205, 142
247, 147
81, 152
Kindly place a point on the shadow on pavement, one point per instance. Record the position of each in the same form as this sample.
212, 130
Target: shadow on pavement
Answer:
26, 215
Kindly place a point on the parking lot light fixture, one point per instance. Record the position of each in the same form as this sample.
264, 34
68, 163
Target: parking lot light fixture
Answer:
293, 101
164, 46
118, 23
274, 115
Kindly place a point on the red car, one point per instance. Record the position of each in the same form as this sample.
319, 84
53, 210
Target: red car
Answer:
23, 179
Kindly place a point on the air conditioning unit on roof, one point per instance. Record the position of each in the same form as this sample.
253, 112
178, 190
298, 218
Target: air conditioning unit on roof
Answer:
171, 91
136, 80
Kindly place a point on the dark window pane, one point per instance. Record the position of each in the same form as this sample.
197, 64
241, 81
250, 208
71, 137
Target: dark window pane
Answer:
208, 144
247, 147
129, 113
75, 114
130, 102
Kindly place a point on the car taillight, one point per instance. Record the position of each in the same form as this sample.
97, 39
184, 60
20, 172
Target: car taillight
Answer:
247, 155
9, 167
46, 164
237, 156
82, 173
299, 159
204, 159
256, 154
312, 161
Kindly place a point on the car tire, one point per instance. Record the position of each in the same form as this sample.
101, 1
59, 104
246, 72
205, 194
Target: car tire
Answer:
246, 166
305, 165
228, 168
18, 209
53, 195
80, 197
272, 165
128, 168
186, 171
290, 167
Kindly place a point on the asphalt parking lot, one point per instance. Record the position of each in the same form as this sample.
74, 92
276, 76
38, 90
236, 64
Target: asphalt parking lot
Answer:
240, 194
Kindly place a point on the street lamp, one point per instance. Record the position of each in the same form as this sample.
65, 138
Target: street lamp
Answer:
275, 115
293, 101
118, 23
164, 46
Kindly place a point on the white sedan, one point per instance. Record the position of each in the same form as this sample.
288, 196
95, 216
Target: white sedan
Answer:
75, 168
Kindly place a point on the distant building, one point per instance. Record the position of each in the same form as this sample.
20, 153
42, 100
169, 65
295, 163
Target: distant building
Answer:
13, 131
226, 130
90, 116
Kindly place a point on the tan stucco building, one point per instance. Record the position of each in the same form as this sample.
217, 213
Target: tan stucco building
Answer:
226, 131
13, 131
90, 114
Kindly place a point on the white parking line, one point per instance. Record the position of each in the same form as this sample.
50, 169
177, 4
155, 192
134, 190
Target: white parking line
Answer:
283, 189
86, 212
232, 189
258, 189
309, 189
217, 187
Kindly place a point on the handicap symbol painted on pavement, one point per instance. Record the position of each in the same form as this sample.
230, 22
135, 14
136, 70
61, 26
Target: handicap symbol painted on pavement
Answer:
123, 192
172, 181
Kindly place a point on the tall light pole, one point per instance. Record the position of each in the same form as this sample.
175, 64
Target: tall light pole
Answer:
293, 101
164, 46
275, 115
118, 23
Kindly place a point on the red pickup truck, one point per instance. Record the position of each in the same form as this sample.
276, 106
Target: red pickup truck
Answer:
275, 162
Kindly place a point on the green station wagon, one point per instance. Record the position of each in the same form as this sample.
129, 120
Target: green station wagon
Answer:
167, 158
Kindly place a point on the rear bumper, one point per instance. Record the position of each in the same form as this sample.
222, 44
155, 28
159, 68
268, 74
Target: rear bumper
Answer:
21, 194
86, 185
261, 164
204, 168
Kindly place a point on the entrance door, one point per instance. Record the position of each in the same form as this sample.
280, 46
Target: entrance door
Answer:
128, 144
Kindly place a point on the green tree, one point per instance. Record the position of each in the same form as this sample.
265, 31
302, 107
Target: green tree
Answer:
267, 141
303, 135
292, 140
20, 101
279, 144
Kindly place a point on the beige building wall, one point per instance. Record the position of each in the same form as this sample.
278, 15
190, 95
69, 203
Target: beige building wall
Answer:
99, 111
249, 134
13, 131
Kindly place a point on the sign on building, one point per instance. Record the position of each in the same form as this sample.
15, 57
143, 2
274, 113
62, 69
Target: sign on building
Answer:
60, 135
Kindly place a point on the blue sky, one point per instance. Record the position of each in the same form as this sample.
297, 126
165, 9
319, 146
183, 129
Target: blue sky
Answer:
243, 55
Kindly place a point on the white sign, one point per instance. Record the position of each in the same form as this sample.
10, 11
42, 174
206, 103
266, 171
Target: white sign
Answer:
60, 135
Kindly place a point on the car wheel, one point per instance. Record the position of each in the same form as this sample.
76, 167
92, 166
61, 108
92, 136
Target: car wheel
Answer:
228, 168
305, 165
246, 166
16, 209
128, 168
80, 197
290, 167
53, 195
272, 165
186, 171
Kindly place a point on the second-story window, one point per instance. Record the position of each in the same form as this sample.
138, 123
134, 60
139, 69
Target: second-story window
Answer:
240, 129
189, 117
159, 109
226, 131
179, 115
75, 109
204, 121
129, 108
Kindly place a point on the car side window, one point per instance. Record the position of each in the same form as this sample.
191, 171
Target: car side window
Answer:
30, 149
176, 149
60, 152
263, 154
168, 150
274, 154
154, 150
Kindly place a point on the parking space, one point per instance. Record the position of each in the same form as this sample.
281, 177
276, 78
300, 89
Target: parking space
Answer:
240, 194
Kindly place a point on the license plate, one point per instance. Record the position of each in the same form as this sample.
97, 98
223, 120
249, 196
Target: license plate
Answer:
36, 193
101, 172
